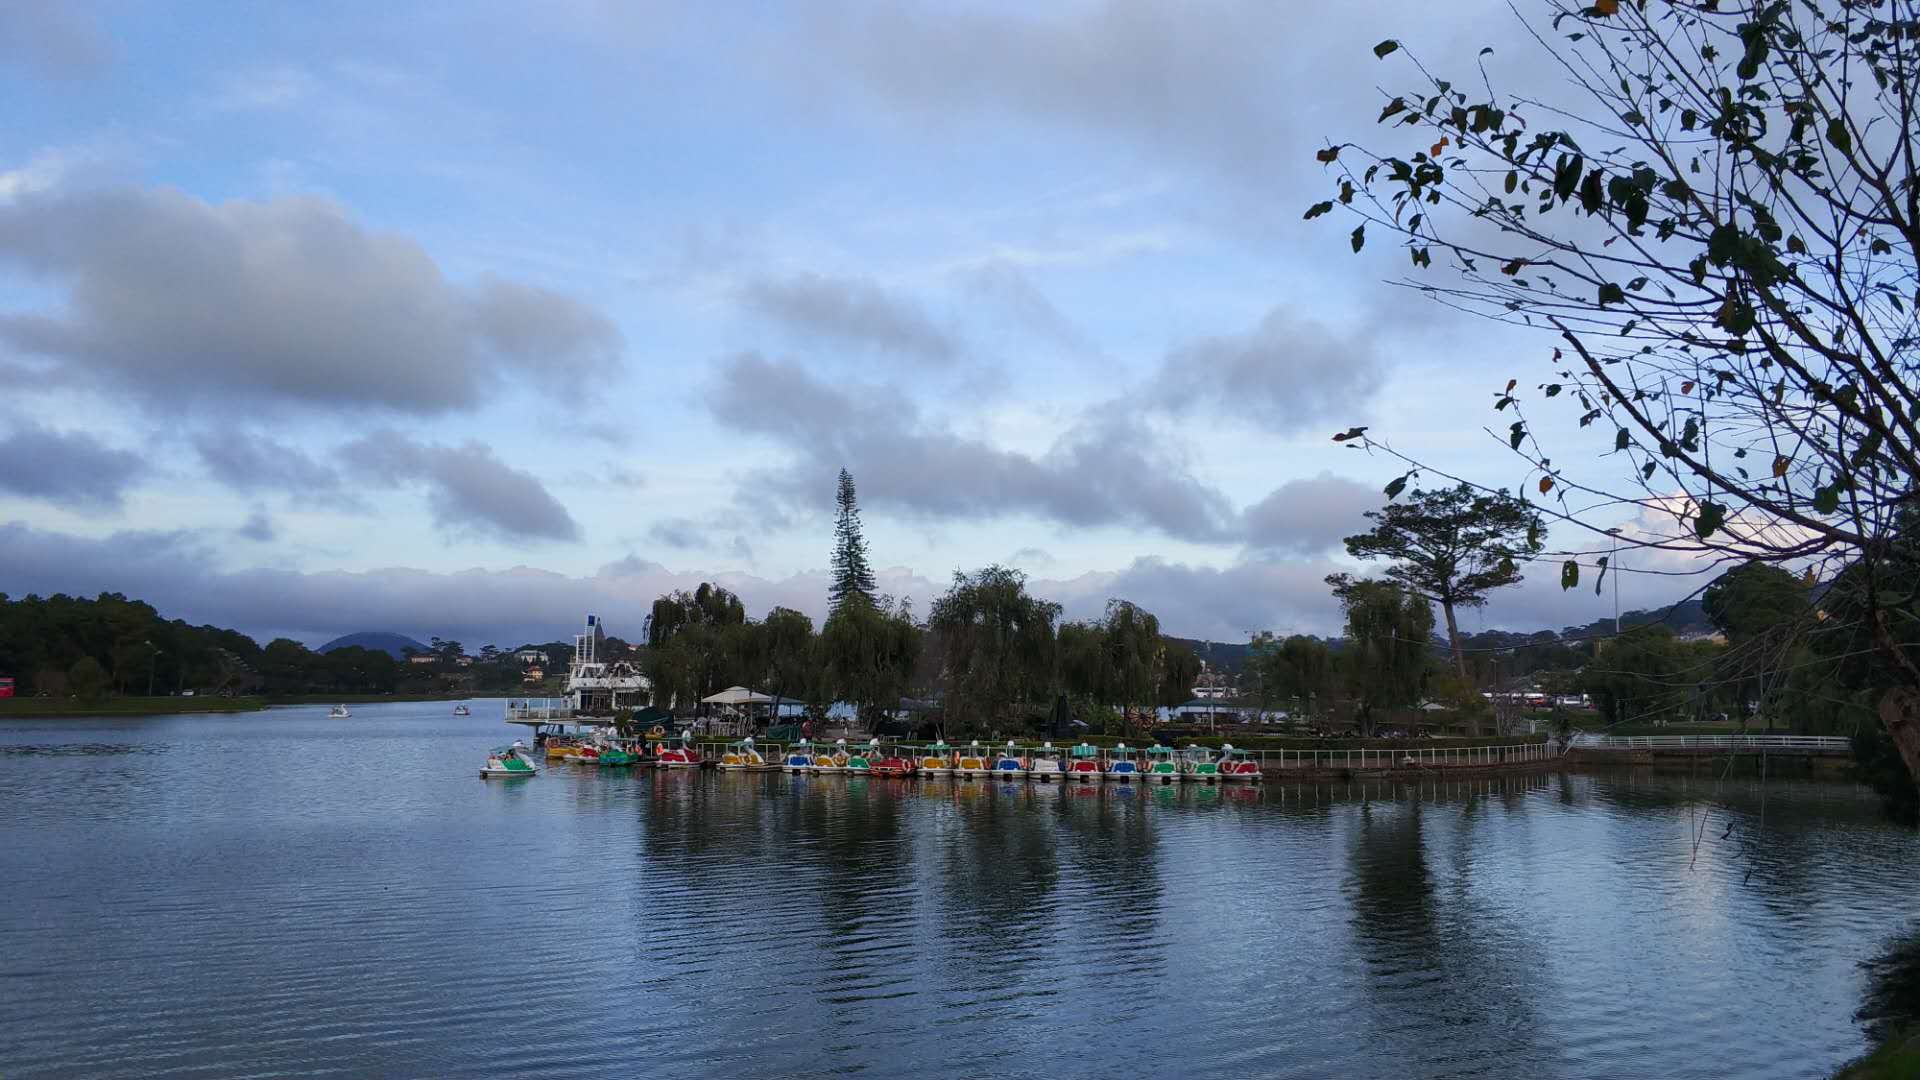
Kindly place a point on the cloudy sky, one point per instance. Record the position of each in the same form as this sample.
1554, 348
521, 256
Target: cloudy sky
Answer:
466, 318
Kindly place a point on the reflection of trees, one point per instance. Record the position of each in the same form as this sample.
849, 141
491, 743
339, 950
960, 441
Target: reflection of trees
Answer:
998, 871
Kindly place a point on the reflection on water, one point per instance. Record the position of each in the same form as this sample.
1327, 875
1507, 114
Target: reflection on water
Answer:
282, 893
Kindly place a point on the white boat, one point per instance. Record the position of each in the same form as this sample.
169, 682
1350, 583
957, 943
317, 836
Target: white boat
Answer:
1010, 765
338, 712
742, 757
937, 760
835, 762
972, 762
599, 690
1121, 765
462, 710
1045, 765
510, 762
1085, 766
799, 759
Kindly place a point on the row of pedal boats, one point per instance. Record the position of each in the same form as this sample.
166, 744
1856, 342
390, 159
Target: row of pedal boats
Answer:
1046, 763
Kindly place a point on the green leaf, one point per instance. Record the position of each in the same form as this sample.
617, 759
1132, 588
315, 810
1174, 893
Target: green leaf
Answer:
1569, 574
1838, 137
1601, 580
1381, 50
1398, 485
1359, 238
1621, 439
1516, 434
1350, 433
1827, 499
1611, 294
1317, 209
1712, 516
1394, 106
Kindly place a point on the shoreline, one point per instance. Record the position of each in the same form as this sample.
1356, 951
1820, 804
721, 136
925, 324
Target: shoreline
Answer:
70, 708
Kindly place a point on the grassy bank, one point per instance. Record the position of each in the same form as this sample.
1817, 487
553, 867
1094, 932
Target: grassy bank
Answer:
127, 706
1899, 1059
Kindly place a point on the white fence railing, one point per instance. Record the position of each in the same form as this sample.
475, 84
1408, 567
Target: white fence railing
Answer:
1825, 743
1443, 757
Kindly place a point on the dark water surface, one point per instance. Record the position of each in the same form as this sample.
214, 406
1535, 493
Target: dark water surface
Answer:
280, 894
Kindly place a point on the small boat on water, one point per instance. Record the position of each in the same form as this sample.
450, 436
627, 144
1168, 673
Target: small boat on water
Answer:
972, 762
742, 757
1198, 765
832, 762
860, 762
1085, 764
1010, 765
462, 710
1121, 766
1163, 764
508, 762
683, 756
614, 755
338, 712
799, 759
893, 761
1238, 765
937, 760
1045, 765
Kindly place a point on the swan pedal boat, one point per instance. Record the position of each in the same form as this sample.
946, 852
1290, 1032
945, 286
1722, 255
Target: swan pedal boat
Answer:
1163, 765
1120, 766
742, 757
1085, 764
973, 762
509, 762
1045, 765
937, 760
1010, 765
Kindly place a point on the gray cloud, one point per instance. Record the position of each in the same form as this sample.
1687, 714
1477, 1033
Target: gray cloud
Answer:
71, 469
851, 311
468, 487
1286, 374
1004, 284
177, 572
188, 302
1102, 472
250, 462
681, 533
258, 527
60, 40
1310, 515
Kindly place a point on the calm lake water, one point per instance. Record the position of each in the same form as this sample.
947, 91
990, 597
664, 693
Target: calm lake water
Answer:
280, 894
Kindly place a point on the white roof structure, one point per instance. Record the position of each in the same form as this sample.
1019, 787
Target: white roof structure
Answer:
738, 695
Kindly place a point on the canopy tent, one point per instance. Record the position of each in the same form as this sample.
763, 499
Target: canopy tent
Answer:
650, 716
738, 695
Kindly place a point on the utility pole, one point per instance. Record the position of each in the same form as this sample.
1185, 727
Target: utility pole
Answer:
153, 661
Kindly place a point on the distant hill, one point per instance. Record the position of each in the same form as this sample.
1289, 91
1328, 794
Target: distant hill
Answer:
393, 644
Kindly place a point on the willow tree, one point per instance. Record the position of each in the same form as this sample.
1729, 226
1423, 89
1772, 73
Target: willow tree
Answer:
1713, 210
697, 643
868, 650
997, 642
1389, 631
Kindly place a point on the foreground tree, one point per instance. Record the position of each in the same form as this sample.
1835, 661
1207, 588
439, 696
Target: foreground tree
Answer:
852, 573
1717, 215
1384, 663
1452, 546
868, 650
697, 643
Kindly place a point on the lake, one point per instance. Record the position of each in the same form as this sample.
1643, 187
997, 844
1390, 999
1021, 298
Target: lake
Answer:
280, 894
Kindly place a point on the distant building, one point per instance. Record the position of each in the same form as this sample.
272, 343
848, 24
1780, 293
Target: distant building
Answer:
533, 675
464, 661
531, 656
424, 658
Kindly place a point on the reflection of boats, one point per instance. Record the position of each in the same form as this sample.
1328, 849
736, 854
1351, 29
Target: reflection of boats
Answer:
338, 712
1085, 763
894, 761
509, 761
462, 710
1163, 764
937, 760
1121, 766
742, 757
1238, 765
683, 756
824, 762
1197, 764
972, 762
800, 758
1010, 765
1045, 765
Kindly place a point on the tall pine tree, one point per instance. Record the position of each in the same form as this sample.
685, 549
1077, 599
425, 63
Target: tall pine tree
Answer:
852, 574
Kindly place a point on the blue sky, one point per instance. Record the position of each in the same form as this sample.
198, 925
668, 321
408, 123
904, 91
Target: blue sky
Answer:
466, 318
